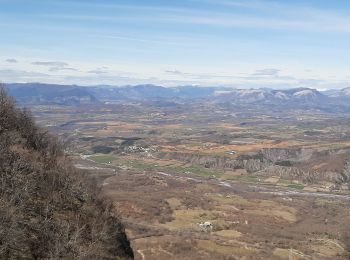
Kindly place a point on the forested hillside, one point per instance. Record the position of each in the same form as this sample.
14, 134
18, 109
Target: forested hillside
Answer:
48, 209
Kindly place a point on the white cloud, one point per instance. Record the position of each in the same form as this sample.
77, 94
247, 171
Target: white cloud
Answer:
11, 60
266, 72
50, 63
10, 75
56, 69
175, 72
99, 71
96, 74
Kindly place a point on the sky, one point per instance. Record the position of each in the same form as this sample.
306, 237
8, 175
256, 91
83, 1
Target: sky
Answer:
226, 43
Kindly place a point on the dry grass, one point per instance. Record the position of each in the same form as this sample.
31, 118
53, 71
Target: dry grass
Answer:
273, 180
230, 126
228, 233
174, 203
211, 246
233, 174
289, 254
188, 219
258, 207
327, 247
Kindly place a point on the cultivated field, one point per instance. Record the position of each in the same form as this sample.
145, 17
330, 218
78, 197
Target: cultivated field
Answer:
270, 185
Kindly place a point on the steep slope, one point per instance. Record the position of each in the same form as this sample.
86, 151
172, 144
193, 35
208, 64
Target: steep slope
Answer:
48, 210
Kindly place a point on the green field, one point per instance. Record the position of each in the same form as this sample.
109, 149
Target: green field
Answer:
297, 186
141, 165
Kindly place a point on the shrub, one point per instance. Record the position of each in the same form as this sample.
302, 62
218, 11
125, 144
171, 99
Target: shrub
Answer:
48, 209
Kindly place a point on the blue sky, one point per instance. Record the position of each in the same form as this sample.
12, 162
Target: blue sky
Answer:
238, 43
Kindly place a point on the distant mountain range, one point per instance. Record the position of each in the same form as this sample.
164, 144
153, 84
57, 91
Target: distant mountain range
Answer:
272, 96
37, 93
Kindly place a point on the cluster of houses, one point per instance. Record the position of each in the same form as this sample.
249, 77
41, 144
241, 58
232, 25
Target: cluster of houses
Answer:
139, 149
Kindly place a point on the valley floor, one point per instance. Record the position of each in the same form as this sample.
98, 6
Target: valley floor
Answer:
268, 184
162, 210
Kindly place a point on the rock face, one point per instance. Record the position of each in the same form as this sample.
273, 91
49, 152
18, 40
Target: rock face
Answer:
48, 208
306, 165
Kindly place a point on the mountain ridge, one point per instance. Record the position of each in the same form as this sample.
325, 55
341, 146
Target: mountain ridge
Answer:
39, 93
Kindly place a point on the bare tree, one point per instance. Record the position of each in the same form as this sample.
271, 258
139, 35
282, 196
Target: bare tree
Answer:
48, 209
